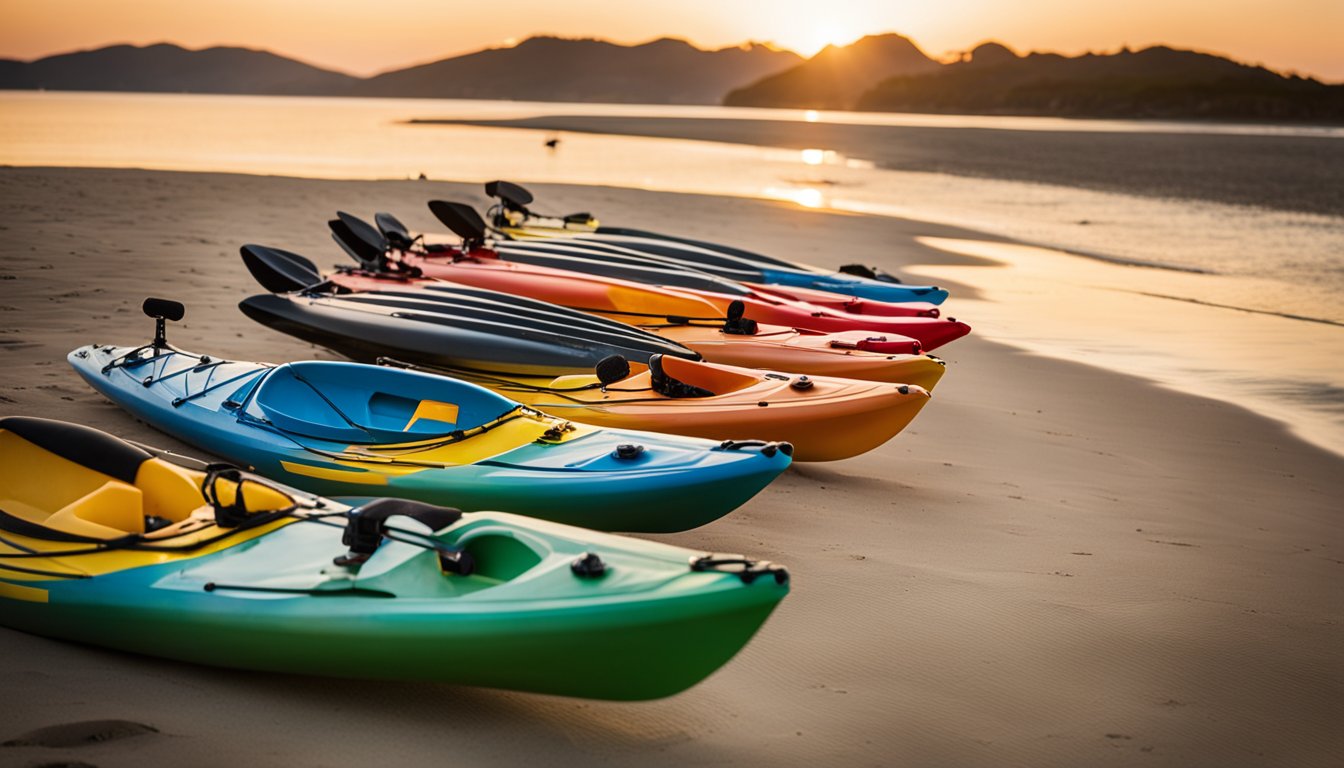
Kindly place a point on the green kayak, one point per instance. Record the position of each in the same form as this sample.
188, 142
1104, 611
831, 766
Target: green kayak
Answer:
102, 542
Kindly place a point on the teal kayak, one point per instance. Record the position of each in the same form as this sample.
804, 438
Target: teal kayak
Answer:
106, 544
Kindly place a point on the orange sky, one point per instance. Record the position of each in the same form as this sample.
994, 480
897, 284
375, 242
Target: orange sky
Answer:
365, 37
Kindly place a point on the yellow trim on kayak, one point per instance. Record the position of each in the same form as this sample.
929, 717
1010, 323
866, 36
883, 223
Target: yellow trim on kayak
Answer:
113, 560
416, 456
19, 592
362, 477
433, 410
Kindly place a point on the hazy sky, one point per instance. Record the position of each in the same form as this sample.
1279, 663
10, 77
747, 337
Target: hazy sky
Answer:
364, 37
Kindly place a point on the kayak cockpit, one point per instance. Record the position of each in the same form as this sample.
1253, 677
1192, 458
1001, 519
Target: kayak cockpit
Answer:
356, 404
107, 489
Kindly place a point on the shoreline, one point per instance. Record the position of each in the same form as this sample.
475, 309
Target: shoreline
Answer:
1055, 565
1294, 174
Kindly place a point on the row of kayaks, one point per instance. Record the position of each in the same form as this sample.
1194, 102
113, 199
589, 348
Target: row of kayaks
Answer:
510, 393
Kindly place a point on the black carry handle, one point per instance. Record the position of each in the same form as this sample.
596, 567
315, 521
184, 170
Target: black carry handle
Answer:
367, 525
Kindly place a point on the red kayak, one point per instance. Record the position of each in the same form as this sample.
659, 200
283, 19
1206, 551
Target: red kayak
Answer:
483, 268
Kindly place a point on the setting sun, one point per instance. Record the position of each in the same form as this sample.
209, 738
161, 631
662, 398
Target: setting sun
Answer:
813, 38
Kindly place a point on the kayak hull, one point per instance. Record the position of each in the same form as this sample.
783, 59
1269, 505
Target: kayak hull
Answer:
811, 354
422, 324
591, 649
834, 419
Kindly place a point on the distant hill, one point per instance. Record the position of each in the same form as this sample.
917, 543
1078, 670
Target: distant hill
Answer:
1157, 82
837, 76
170, 68
665, 71
542, 69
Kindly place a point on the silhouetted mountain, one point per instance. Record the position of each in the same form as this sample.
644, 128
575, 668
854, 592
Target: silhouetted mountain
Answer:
665, 71
1157, 82
170, 68
837, 76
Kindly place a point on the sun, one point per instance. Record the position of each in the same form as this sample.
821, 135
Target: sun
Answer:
814, 37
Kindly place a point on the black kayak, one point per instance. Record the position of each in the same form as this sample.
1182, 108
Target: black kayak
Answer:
365, 317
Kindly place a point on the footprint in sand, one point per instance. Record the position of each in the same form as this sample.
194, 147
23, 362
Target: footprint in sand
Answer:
81, 734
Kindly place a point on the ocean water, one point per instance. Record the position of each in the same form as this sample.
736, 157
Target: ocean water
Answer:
1212, 273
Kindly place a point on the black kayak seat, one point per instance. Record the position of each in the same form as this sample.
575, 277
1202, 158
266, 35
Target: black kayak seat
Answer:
83, 445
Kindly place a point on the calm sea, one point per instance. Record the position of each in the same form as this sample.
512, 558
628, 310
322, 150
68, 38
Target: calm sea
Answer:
1180, 278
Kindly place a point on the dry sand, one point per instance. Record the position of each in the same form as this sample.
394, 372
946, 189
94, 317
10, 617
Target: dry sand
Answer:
1056, 565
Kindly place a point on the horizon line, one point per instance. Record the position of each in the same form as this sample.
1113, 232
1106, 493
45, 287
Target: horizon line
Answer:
511, 42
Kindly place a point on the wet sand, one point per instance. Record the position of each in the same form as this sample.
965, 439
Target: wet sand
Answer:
1055, 566
1287, 173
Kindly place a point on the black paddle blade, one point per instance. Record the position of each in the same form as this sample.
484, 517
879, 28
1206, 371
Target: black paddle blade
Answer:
512, 195
462, 219
372, 238
394, 232
279, 271
164, 308
359, 248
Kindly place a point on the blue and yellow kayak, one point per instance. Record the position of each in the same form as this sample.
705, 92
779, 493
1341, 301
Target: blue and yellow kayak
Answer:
104, 543
340, 428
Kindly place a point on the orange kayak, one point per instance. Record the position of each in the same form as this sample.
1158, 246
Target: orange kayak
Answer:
825, 418
842, 355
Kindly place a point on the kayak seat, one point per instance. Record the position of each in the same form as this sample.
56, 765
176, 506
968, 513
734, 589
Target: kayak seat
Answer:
675, 377
718, 380
80, 481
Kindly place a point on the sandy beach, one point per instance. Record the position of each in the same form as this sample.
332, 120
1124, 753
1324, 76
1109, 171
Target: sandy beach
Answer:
1056, 565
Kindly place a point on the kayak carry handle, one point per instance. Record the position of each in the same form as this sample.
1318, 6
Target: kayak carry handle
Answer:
768, 448
746, 569
366, 526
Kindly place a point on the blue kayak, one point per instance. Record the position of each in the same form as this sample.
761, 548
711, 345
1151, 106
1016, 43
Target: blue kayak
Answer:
349, 429
512, 218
